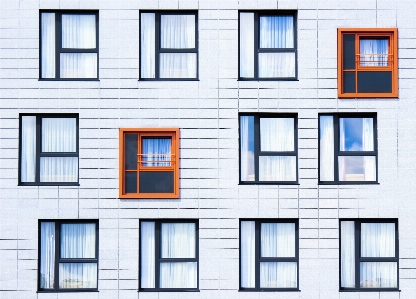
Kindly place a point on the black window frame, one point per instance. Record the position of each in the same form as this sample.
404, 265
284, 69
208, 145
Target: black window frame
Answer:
39, 152
358, 258
158, 259
257, 49
259, 259
258, 153
58, 43
59, 260
337, 152
159, 50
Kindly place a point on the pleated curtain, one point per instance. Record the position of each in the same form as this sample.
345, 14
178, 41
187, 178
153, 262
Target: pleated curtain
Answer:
374, 52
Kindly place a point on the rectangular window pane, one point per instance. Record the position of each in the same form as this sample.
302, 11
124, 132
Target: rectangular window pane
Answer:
378, 275
276, 32
277, 65
178, 275
78, 31
147, 254
59, 169
178, 65
59, 135
178, 240
378, 239
278, 275
78, 65
356, 134
277, 134
246, 45
131, 151
247, 148
347, 254
147, 45
248, 254
374, 51
48, 45
130, 181
277, 168
326, 148
357, 168
177, 31
278, 240
47, 255
156, 151
77, 275
78, 240
28, 151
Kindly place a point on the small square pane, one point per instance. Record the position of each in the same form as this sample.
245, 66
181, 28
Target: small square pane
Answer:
59, 135
374, 51
156, 151
357, 168
77, 275
178, 275
278, 275
378, 275
378, 239
277, 134
78, 240
278, 240
177, 31
356, 134
276, 32
178, 240
78, 31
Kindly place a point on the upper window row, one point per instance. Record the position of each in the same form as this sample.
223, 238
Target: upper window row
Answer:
367, 58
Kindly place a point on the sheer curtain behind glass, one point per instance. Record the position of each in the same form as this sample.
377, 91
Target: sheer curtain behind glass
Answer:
247, 148
374, 52
147, 45
47, 55
326, 148
246, 44
156, 151
28, 151
248, 254
147, 255
347, 254
47, 255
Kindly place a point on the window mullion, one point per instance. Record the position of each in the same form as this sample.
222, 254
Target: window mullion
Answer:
57, 253
357, 231
336, 147
157, 253
256, 44
58, 44
157, 46
257, 254
38, 147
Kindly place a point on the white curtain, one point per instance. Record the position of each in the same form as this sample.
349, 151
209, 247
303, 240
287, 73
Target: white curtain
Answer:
247, 259
28, 151
78, 65
147, 45
347, 254
77, 275
326, 148
374, 52
177, 65
278, 275
246, 44
178, 275
247, 148
47, 255
378, 275
177, 31
277, 168
147, 256
273, 65
368, 145
278, 240
48, 45
156, 151
59, 169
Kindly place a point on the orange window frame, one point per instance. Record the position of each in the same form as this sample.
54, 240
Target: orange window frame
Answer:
391, 34
172, 133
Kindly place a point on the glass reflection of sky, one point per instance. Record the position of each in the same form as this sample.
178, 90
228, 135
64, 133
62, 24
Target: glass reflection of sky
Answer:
251, 134
353, 133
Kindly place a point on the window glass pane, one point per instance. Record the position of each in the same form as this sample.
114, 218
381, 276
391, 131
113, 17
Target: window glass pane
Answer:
357, 168
378, 239
246, 45
178, 240
78, 31
147, 45
59, 169
78, 240
47, 255
77, 275
130, 182
28, 151
147, 254
356, 134
277, 168
248, 254
78, 65
277, 134
374, 51
276, 32
378, 275
326, 148
177, 65
59, 135
48, 45
131, 151
178, 275
347, 254
276, 65
156, 151
278, 240
278, 275
177, 31
247, 148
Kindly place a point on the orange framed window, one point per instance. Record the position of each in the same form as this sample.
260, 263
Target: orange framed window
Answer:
367, 63
149, 163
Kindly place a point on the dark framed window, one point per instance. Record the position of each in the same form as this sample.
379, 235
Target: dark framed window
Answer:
49, 147
347, 148
68, 255
269, 255
149, 163
68, 45
169, 45
169, 255
268, 148
267, 45
367, 63
369, 255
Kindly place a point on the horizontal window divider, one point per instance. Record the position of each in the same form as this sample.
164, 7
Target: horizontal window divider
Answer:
177, 260
346, 153
278, 154
76, 50
274, 50
56, 154
77, 260
378, 259
180, 50
278, 259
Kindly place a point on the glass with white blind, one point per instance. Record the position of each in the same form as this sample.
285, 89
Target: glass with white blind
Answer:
76, 259
169, 50
267, 46
374, 52
267, 149
268, 255
349, 153
176, 266
375, 257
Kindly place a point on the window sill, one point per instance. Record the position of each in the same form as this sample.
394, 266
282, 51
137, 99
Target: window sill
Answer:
71, 79
168, 290
348, 183
48, 184
268, 183
371, 290
271, 290
169, 79
69, 291
367, 96
267, 79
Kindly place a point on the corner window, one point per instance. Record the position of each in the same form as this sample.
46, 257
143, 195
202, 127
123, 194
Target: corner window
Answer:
269, 255
168, 255
48, 149
149, 163
69, 45
347, 148
268, 148
367, 63
169, 45
68, 255
369, 254
267, 45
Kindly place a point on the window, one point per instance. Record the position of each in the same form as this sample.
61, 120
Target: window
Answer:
149, 163
369, 254
68, 45
168, 255
367, 63
48, 149
268, 148
269, 255
169, 45
268, 45
68, 255
347, 148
